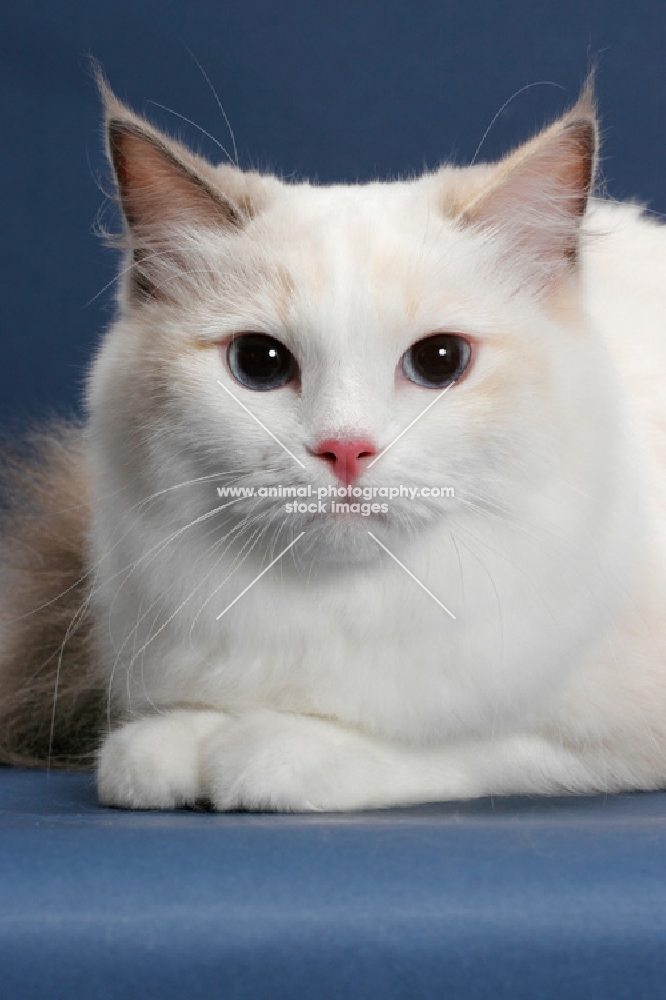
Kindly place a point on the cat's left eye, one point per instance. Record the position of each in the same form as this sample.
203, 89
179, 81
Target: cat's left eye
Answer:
260, 362
436, 361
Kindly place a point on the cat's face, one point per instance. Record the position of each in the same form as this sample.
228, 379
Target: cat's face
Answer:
277, 335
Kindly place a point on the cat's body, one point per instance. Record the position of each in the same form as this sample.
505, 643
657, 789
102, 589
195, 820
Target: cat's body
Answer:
509, 638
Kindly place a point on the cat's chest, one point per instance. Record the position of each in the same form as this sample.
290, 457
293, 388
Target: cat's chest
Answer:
435, 652
441, 635
372, 655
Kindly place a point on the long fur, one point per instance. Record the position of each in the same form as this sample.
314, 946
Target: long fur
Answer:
52, 698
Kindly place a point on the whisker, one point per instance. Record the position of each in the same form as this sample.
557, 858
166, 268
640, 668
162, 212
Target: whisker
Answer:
194, 124
219, 104
521, 90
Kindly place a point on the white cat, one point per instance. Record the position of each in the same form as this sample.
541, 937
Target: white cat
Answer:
482, 331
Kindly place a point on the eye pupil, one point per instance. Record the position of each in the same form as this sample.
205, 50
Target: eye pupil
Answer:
260, 362
436, 361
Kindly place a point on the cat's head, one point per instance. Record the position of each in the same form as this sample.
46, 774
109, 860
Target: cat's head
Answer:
286, 334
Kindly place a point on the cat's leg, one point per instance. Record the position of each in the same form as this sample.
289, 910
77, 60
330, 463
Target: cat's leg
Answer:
276, 761
155, 762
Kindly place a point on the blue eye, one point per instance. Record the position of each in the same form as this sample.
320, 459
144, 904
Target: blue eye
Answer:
260, 362
436, 361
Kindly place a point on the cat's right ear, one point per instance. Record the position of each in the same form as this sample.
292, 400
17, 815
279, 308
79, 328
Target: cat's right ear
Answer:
158, 188
167, 194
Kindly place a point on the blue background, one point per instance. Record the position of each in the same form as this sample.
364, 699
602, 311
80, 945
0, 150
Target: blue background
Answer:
336, 91
504, 899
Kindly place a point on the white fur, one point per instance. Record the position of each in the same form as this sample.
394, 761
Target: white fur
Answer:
335, 682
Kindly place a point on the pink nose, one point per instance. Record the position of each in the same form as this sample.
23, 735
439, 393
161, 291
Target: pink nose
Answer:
347, 458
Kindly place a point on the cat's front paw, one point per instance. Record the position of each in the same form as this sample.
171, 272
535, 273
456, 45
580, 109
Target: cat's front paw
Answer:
268, 761
155, 762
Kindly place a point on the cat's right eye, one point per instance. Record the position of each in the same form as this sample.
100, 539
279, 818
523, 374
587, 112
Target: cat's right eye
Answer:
260, 362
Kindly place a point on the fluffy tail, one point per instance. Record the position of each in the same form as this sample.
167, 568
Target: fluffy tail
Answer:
52, 702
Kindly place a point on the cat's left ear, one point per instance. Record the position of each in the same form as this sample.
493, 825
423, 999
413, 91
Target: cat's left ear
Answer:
535, 199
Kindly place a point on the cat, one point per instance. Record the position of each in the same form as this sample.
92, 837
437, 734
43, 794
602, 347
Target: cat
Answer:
470, 364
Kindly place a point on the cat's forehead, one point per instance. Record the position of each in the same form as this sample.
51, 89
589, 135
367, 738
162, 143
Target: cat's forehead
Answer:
330, 263
373, 230
355, 258
321, 232
405, 203
377, 240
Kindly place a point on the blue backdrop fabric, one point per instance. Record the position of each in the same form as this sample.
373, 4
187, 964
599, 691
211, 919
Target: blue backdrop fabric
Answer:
516, 899
336, 91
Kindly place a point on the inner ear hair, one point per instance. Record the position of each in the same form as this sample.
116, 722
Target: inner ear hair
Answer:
156, 185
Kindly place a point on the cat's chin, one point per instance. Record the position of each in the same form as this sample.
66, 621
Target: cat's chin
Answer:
340, 541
